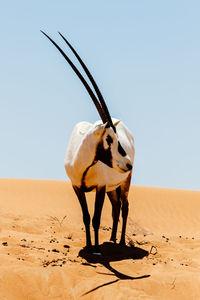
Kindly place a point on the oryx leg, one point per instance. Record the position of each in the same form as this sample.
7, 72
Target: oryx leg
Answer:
124, 199
114, 197
100, 195
86, 216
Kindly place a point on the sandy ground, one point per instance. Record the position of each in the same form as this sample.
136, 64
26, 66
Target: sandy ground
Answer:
42, 238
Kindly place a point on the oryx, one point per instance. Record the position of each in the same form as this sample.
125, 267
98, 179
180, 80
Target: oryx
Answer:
99, 158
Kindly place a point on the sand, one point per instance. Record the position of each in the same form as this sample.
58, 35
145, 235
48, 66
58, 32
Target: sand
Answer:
42, 238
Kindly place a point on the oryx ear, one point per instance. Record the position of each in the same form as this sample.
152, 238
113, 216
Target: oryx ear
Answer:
105, 125
100, 129
116, 123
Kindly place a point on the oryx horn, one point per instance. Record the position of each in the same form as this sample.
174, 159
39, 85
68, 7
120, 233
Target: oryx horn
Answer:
100, 97
102, 109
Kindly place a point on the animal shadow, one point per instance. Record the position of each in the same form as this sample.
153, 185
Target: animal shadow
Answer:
112, 252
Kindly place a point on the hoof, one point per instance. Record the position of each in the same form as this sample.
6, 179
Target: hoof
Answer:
88, 247
122, 243
97, 253
112, 242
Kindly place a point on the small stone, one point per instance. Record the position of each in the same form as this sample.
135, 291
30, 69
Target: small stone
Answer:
5, 244
55, 250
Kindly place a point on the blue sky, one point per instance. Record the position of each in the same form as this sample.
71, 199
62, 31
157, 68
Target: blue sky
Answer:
145, 57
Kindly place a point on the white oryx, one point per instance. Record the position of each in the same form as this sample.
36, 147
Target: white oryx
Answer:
99, 158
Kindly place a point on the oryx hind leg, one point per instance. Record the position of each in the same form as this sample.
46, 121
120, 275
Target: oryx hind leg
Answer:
114, 197
125, 206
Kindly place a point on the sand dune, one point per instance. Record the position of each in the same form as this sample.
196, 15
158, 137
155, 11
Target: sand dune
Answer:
42, 240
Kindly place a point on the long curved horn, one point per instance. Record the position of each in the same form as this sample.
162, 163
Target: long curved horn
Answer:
101, 99
94, 99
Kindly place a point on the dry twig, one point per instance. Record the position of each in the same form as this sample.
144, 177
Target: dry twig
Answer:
56, 219
153, 252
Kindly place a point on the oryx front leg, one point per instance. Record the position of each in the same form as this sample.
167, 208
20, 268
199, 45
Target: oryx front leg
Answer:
124, 218
124, 199
100, 195
114, 197
86, 216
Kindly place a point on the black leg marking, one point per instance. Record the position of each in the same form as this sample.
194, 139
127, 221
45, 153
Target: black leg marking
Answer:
124, 199
114, 197
124, 218
86, 217
100, 195
83, 184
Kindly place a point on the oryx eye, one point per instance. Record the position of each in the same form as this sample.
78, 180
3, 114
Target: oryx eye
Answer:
109, 140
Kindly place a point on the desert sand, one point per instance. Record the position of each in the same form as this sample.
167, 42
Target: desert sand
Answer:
42, 238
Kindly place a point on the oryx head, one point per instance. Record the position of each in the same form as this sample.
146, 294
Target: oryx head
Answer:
109, 149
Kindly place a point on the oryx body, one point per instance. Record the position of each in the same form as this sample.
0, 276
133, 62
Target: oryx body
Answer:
88, 172
99, 158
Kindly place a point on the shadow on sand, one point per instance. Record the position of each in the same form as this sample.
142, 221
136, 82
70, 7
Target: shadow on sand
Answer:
112, 252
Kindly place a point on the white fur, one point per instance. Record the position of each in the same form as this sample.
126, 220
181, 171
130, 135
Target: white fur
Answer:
81, 153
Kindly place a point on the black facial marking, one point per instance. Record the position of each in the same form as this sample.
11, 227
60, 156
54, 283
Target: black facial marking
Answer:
109, 140
121, 150
103, 155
